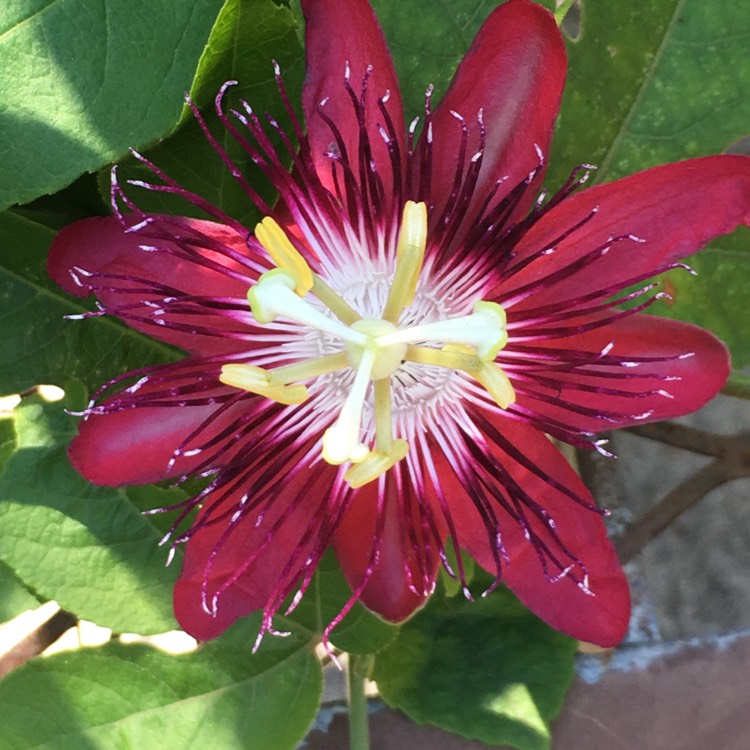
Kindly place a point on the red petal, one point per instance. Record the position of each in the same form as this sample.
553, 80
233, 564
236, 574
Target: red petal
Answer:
338, 32
699, 377
677, 209
602, 618
101, 245
135, 445
277, 541
387, 591
514, 73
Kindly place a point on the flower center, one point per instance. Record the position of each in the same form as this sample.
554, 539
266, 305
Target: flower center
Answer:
374, 348
387, 358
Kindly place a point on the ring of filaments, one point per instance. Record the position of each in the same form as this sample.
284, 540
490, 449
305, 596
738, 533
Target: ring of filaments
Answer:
374, 348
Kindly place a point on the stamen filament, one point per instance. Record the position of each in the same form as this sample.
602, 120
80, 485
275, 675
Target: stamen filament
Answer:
452, 358
333, 302
383, 415
312, 368
412, 240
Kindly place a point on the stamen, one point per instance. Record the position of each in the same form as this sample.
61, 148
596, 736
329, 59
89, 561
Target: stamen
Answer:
483, 330
284, 254
489, 375
274, 295
389, 451
257, 380
375, 464
333, 302
276, 242
412, 240
383, 415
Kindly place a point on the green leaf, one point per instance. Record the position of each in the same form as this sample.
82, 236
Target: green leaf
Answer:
715, 297
151, 496
360, 632
136, 697
7, 438
428, 40
453, 586
39, 345
655, 82
86, 547
82, 81
487, 670
79, 200
676, 114
14, 596
609, 63
247, 36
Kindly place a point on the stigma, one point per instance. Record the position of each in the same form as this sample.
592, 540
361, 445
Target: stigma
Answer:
374, 346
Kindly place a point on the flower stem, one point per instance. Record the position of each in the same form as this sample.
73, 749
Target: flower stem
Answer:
359, 731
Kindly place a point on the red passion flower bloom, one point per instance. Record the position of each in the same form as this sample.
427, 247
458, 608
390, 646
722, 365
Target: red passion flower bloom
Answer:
380, 364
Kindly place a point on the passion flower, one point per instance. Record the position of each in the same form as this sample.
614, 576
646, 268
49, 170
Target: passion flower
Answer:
379, 365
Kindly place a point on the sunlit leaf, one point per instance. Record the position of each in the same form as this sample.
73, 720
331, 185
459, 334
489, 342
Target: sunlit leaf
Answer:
487, 670
137, 697
87, 547
82, 81
248, 35
14, 596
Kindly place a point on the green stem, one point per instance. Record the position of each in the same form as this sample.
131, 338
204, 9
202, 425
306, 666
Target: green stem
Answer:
359, 730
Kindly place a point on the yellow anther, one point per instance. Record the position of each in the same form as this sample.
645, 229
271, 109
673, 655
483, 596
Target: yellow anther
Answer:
412, 240
257, 380
497, 384
490, 376
284, 254
375, 464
